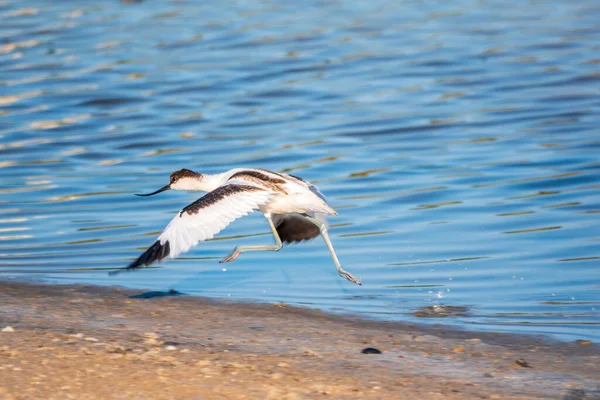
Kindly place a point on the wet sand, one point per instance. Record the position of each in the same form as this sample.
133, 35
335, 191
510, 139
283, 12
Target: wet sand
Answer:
83, 342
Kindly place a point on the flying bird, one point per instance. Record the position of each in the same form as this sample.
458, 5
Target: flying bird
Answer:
295, 211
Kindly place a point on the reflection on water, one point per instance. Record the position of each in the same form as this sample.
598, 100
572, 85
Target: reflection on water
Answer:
459, 142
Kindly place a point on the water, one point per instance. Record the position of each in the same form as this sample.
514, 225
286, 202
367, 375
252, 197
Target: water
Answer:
458, 141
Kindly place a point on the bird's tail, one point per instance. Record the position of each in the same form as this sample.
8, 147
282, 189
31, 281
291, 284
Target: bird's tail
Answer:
156, 252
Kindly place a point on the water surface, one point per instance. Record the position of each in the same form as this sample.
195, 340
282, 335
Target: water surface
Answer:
458, 141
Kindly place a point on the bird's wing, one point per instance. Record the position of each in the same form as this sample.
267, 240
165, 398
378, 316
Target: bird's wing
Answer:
202, 220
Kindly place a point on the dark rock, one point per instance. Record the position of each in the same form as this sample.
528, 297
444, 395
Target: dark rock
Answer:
371, 350
523, 363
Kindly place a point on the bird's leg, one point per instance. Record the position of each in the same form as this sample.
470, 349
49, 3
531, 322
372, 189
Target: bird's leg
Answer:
341, 271
267, 247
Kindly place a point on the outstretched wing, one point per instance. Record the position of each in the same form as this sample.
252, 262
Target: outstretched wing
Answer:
202, 220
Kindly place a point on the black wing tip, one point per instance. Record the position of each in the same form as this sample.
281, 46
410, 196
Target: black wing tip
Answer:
156, 252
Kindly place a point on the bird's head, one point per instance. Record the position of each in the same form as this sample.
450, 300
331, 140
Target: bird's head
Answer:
184, 179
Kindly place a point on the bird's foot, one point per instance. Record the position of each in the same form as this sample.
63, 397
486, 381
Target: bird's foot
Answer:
347, 275
234, 254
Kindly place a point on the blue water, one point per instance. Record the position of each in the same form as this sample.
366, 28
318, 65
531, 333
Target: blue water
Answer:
459, 142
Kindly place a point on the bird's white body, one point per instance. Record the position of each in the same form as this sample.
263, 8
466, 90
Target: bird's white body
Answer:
295, 209
297, 195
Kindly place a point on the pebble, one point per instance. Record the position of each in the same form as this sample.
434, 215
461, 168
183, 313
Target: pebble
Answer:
522, 363
116, 349
170, 348
310, 353
90, 339
235, 365
370, 350
8, 329
152, 339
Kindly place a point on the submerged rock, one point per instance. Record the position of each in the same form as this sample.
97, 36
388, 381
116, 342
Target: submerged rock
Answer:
439, 311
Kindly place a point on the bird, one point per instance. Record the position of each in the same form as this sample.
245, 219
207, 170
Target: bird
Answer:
294, 209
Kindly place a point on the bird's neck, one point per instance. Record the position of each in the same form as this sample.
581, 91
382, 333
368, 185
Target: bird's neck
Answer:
208, 183
200, 182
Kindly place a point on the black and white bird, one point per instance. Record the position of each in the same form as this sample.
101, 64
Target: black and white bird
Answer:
295, 210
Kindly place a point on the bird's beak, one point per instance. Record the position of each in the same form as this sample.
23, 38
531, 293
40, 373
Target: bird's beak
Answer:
162, 189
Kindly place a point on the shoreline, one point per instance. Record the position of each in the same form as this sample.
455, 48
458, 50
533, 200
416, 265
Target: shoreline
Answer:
100, 342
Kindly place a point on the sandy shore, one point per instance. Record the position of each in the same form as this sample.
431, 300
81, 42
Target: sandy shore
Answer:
82, 342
